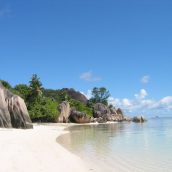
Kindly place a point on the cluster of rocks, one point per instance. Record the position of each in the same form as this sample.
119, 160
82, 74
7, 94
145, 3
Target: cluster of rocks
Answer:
139, 119
101, 114
78, 117
67, 114
13, 111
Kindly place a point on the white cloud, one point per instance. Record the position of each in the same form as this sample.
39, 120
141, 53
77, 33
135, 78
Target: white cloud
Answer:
145, 79
167, 100
126, 102
88, 76
115, 101
140, 104
142, 94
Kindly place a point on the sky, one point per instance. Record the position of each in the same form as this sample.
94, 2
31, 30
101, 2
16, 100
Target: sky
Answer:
125, 46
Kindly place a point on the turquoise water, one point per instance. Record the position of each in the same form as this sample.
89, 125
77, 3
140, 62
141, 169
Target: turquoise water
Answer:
123, 147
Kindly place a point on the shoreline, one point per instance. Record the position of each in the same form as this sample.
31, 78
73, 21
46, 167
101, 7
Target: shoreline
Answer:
65, 138
36, 150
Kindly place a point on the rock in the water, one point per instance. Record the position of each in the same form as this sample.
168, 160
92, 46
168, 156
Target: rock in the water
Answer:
79, 117
107, 114
13, 111
139, 119
120, 115
100, 110
64, 112
76, 95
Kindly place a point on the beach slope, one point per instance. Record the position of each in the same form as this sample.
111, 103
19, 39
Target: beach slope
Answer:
36, 150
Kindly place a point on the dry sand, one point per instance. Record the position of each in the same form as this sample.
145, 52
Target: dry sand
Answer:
36, 150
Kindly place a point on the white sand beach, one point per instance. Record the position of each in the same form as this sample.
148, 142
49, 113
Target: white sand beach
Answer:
36, 150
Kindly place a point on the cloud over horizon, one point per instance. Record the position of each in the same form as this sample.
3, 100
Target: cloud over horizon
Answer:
89, 76
140, 104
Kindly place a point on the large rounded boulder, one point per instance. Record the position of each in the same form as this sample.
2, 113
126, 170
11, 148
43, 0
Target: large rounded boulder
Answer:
76, 95
13, 110
78, 117
100, 110
64, 112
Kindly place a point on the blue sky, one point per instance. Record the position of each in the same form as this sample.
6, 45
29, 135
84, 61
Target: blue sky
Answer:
82, 44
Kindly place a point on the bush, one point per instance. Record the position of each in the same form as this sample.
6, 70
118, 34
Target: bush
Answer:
22, 90
44, 110
81, 107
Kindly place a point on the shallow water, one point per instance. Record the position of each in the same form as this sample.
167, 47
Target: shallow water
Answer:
123, 147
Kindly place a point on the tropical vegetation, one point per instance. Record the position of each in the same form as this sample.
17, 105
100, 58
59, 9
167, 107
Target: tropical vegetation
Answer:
43, 104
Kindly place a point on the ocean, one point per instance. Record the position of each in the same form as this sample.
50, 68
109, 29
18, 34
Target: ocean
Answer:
123, 147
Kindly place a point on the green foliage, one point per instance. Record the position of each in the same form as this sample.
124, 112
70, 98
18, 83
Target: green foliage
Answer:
44, 110
36, 87
43, 104
62, 95
99, 95
81, 107
23, 90
57, 95
41, 108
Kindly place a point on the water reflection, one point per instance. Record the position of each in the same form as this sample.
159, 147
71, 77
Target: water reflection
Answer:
123, 146
94, 137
